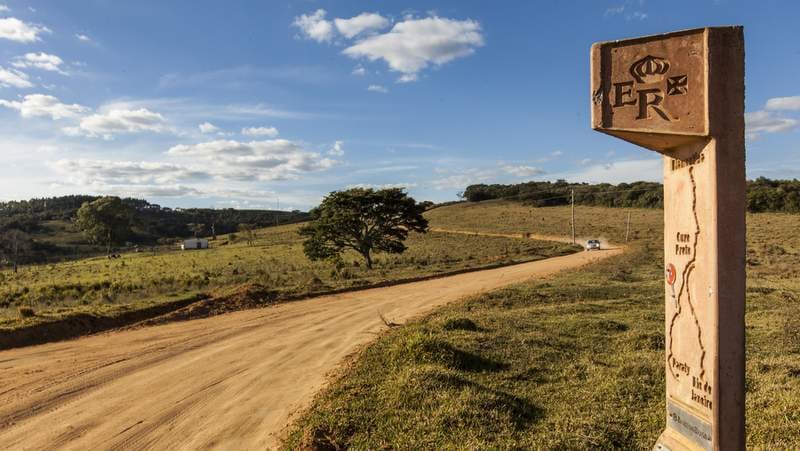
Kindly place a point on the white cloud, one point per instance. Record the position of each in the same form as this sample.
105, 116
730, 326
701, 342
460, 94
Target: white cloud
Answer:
762, 121
522, 170
207, 127
617, 172
16, 30
465, 178
338, 149
359, 71
108, 172
783, 103
115, 121
354, 26
4, 8
381, 185
414, 44
40, 60
269, 132
276, 159
407, 78
613, 11
556, 153
377, 88
40, 105
82, 37
15, 78
314, 26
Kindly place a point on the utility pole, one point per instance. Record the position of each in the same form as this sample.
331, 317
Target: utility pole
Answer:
628, 227
573, 214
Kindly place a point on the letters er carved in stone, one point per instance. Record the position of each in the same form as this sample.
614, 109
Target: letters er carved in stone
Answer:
655, 86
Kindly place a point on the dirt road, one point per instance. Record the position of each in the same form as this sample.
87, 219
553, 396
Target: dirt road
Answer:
229, 382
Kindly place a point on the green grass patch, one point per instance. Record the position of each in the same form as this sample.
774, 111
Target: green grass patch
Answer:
574, 362
99, 286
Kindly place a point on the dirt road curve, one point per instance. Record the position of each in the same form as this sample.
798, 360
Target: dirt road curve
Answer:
228, 382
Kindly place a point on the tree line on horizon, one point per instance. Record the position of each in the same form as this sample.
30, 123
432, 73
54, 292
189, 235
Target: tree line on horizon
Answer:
135, 220
149, 221
763, 194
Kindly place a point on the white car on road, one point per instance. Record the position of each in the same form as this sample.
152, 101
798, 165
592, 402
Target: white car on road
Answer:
593, 245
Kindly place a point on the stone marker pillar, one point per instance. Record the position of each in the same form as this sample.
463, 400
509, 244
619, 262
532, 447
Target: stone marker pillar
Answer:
682, 94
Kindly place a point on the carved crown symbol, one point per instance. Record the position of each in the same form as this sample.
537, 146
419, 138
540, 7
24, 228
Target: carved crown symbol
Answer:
650, 69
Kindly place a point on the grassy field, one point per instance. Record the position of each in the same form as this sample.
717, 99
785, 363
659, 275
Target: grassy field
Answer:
573, 362
99, 286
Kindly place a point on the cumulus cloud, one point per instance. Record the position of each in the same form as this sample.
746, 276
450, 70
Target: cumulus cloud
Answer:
14, 29
354, 26
275, 159
39, 60
315, 26
464, 178
414, 44
269, 132
783, 103
4, 8
381, 185
626, 171
108, 172
359, 71
207, 127
116, 121
377, 88
338, 149
763, 121
82, 37
15, 78
522, 170
42, 105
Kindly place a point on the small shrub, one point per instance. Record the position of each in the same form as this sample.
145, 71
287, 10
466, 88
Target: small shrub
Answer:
26, 312
459, 324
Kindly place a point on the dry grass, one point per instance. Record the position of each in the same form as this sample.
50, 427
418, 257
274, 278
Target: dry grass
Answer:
575, 362
102, 287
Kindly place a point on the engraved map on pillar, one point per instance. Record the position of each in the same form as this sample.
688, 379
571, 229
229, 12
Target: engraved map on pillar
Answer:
687, 359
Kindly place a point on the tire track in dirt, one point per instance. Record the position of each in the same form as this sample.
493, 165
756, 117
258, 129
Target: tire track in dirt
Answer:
231, 381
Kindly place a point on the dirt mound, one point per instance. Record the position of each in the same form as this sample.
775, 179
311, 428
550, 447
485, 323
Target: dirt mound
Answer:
80, 324
242, 297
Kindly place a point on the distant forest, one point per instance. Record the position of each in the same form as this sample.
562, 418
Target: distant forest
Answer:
762, 194
151, 222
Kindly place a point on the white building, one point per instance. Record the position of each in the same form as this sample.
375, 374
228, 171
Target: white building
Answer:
194, 243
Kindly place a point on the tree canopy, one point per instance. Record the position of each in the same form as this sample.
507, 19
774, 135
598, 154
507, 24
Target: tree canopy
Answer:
105, 220
762, 194
364, 220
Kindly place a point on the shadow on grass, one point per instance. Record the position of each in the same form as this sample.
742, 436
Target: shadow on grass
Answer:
422, 348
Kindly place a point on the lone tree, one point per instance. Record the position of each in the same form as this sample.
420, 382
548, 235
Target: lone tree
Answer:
364, 220
249, 232
105, 221
15, 245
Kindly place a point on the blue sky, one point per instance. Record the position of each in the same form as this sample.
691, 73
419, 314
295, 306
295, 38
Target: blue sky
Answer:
242, 104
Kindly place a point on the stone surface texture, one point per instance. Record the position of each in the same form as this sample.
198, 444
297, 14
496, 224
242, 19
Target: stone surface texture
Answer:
682, 94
